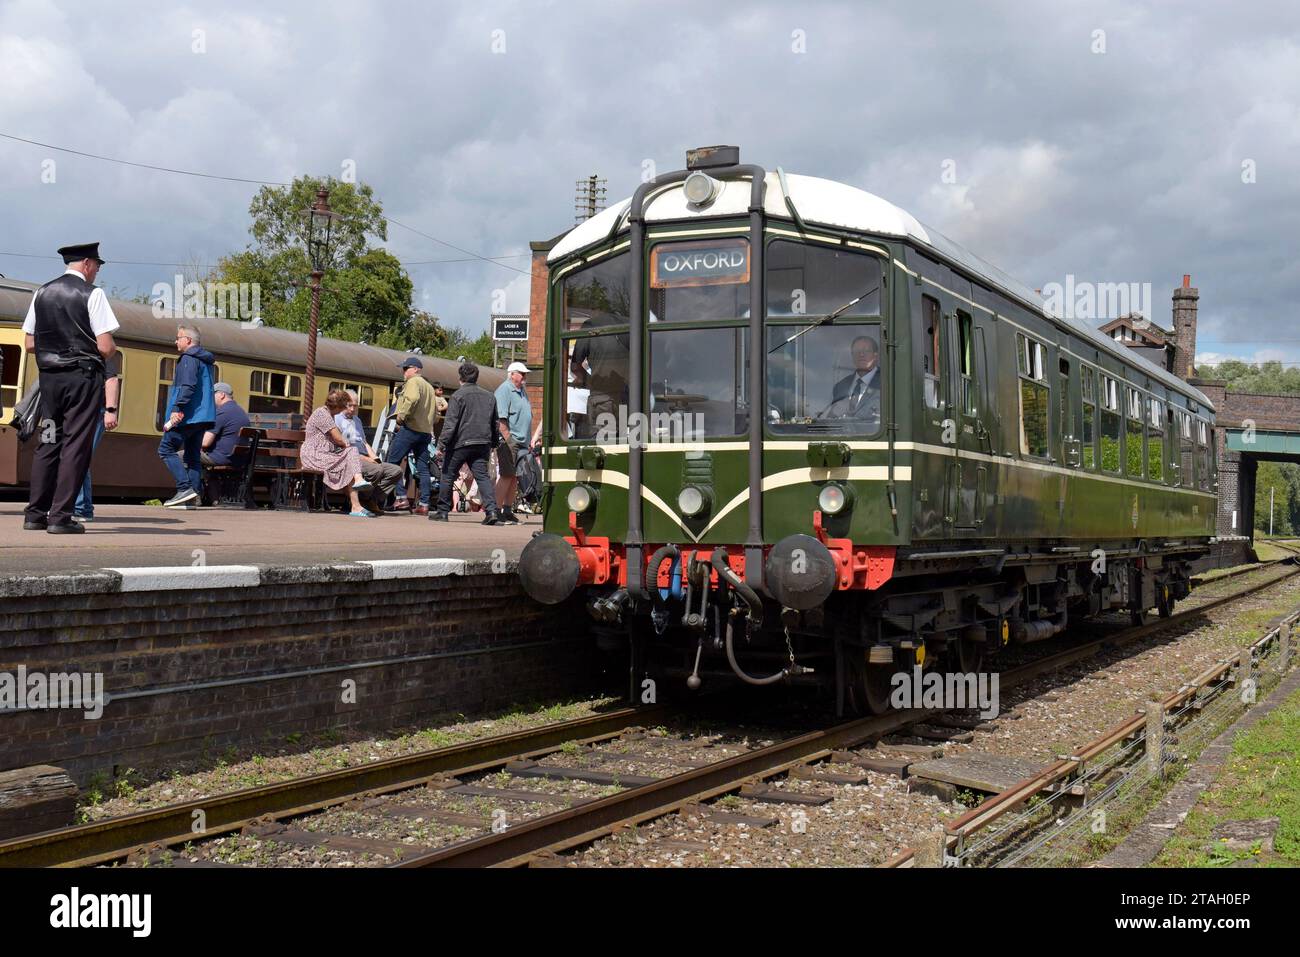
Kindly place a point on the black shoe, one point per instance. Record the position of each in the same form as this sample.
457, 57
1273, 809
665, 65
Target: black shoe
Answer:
35, 525
491, 519
438, 517
508, 517
66, 528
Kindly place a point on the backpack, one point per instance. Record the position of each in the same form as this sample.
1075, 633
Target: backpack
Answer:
27, 413
530, 477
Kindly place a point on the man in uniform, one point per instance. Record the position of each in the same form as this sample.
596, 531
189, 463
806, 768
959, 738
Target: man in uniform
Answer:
69, 326
600, 364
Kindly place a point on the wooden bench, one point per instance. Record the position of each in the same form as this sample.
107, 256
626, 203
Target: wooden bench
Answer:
232, 486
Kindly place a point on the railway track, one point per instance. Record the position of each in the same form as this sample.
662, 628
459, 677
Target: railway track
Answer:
269, 810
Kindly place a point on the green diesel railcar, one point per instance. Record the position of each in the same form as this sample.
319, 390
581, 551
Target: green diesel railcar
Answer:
794, 435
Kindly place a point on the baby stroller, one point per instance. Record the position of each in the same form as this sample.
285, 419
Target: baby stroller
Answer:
464, 492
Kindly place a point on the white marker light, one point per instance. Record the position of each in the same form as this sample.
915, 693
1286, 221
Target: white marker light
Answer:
832, 499
691, 500
701, 188
580, 498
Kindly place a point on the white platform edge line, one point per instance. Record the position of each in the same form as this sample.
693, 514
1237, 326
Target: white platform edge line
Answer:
164, 578
388, 568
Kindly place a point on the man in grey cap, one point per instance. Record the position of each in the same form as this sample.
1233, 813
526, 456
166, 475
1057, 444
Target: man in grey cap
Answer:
219, 442
69, 326
415, 412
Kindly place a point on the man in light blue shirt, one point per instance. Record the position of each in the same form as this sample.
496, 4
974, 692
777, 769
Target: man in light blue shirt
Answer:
515, 420
383, 477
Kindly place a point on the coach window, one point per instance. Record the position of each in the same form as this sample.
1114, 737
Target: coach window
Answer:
1187, 477
274, 392
11, 385
1034, 395
930, 350
1087, 389
365, 397
1156, 440
166, 375
1110, 425
1133, 450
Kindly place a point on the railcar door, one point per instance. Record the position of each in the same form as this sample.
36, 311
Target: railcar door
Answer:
967, 399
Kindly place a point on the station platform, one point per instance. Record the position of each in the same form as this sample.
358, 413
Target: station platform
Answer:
134, 536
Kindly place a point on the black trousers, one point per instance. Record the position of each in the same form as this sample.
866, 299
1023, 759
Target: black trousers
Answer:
71, 401
476, 456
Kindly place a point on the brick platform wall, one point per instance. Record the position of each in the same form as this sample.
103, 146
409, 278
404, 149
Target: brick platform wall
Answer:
186, 670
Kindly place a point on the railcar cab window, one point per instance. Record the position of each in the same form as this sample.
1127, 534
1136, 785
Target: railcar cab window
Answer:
594, 329
825, 373
11, 384
1110, 425
1133, 452
698, 376
1031, 363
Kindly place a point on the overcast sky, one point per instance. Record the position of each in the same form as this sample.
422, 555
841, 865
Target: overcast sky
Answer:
472, 121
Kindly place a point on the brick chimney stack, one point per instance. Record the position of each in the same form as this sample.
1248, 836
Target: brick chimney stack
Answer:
1185, 329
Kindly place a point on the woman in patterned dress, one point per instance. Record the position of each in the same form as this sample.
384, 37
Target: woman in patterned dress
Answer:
325, 450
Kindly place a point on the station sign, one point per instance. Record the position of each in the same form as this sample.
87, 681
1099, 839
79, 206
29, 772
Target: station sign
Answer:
510, 328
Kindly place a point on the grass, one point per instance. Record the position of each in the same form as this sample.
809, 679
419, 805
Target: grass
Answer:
1267, 552
1261, 779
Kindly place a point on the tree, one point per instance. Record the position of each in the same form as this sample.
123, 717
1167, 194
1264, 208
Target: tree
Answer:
1273, 476
1266, 377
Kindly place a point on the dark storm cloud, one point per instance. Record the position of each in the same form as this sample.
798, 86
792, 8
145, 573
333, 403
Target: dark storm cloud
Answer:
473, 121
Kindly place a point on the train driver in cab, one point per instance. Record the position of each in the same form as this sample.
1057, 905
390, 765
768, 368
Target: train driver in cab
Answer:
857, 395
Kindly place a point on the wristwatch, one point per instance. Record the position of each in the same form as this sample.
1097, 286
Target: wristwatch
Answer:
111, 408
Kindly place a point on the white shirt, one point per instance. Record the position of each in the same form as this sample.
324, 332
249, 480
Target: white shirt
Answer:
102, 319
864, 378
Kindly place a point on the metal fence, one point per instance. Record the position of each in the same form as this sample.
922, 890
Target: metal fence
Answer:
1070, 813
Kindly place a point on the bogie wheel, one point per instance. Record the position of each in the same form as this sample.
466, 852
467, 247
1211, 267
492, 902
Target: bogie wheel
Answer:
877, 687
1139, 618
1164, 601
969, 656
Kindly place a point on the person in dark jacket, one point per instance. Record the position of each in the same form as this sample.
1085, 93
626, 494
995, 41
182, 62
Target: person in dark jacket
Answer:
469, 434
191, 410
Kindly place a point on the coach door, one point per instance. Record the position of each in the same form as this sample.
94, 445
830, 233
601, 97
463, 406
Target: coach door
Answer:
967, 400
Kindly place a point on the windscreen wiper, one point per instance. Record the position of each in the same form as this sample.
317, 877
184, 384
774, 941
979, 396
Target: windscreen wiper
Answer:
825, 320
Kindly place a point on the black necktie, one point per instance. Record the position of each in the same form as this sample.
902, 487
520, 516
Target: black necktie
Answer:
857, 395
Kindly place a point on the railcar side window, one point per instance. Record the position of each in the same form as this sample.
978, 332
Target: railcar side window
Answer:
1034, 395
1110, 425
1089, 438
365, 397
1202, 455
966, 361
930, 350
1133, 450
1156, 441
1187, 477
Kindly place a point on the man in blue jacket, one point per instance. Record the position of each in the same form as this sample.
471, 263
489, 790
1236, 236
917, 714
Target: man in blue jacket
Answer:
191, 410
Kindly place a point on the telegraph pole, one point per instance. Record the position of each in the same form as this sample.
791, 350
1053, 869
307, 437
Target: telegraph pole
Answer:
589, 198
